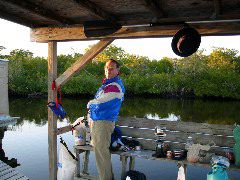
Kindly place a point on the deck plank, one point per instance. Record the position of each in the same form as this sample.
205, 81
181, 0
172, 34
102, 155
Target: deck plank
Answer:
8, 173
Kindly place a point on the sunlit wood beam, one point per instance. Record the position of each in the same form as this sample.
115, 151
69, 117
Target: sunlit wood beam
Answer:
77, 33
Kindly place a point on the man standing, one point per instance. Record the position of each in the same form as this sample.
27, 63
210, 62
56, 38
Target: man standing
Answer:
104, 110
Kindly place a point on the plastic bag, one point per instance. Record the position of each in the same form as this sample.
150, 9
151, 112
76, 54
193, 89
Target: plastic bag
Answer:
58, 110
79, 131
181, 172
66, 163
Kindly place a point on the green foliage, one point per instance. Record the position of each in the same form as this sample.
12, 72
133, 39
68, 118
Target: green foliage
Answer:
214, 75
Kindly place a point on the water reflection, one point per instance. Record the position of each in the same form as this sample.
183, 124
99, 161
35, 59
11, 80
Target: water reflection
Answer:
11, 162
216, 112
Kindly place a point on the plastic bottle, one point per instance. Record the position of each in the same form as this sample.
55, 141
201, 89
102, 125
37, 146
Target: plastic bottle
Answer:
189, 142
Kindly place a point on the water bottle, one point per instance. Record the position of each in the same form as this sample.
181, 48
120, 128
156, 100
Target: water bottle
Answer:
189, 142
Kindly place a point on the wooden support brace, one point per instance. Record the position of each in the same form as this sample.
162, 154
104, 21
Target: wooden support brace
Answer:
86, 58
52, 119
185, 170
64, 129
77, 173
131, 163
124, 166
85, 162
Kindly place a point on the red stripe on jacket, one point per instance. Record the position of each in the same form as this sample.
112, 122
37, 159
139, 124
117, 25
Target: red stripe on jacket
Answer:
111, 88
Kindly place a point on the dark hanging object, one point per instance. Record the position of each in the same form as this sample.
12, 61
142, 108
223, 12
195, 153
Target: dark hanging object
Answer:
100, 28
186, 41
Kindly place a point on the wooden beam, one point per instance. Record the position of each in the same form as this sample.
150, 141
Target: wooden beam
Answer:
217, 9
86, 58
76, 33
155, 8
64, 129
15, 18
96, 10
40, 11
52, 119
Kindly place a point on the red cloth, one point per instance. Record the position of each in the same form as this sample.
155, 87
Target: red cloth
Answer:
111, 88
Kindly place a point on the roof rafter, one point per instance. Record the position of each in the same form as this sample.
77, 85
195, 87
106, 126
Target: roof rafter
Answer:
96, 10
40, 11
155, 7
15, 18
217, 9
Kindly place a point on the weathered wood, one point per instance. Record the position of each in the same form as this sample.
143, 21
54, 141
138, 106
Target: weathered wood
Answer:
177, 136
185, 170
124, 166
77, 173
131, 163
155, 8
85, 148
96, 10
86, 58
64, 129
216, 4
7, 172
212, 129
77, 33
86, 177
85, 162
40, 11
52, 119
18, 19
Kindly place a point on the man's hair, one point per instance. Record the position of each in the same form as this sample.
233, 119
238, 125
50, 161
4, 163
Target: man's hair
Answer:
113, 60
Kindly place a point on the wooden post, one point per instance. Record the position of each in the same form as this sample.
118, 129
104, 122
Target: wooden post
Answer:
124, 166
185, 170
52, 119
77, 174
85, 162
131, 163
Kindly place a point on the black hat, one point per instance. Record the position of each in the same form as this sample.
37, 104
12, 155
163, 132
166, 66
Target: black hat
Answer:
186, 42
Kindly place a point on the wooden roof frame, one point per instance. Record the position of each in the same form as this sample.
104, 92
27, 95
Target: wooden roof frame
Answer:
146, 31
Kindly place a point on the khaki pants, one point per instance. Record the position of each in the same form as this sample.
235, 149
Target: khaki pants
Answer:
101, 138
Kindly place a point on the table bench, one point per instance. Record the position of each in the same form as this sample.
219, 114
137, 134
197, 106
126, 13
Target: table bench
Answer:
177, 132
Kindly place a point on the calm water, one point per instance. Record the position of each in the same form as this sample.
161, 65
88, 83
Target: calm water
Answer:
28, 140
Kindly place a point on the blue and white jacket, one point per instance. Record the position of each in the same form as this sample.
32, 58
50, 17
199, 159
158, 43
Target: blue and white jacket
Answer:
107, 101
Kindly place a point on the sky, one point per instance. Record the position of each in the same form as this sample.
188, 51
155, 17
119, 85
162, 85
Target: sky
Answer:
15, 36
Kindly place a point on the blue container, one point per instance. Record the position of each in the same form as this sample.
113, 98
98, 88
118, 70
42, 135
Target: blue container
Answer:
218, 172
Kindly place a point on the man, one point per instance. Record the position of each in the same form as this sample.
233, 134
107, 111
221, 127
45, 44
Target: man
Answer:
104, 110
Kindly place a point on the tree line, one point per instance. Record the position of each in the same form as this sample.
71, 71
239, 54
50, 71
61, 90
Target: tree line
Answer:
200, 75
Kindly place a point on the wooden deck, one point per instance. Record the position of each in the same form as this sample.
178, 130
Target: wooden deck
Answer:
7, 172
9, 121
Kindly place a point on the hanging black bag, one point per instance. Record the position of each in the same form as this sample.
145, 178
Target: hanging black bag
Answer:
135, 175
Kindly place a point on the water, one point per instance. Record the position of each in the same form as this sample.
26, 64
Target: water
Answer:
28, 140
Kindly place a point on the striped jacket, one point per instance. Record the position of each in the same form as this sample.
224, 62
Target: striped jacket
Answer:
107, 101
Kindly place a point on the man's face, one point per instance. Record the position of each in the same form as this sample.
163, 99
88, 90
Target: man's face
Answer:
111, 70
